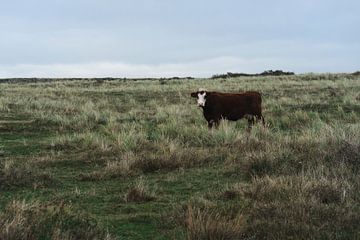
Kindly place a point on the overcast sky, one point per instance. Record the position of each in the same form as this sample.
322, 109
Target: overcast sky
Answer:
155, 38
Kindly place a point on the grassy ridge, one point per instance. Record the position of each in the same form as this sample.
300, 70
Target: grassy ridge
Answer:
136, 161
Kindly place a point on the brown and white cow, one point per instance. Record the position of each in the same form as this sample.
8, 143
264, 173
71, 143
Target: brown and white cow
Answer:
230, 106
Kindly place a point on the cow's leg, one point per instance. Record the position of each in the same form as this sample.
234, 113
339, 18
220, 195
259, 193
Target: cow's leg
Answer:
217, 123
210, 123
213, 122
251, 120
260, 117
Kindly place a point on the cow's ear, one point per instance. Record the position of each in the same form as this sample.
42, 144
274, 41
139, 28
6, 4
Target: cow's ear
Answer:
194, 94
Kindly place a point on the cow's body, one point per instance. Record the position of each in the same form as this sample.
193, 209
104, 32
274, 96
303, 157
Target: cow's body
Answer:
230, 106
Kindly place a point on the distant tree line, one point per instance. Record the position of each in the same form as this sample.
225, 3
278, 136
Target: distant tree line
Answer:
265, 73
98, 80
162, 79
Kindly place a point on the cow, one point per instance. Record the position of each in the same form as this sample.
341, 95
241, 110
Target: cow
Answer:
230, 106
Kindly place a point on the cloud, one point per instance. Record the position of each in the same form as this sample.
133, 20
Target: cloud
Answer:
202, 68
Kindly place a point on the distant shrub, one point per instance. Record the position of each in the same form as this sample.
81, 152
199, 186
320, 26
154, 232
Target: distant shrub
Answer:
265, 73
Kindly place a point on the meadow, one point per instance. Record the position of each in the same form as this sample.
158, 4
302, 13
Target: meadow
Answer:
134, 159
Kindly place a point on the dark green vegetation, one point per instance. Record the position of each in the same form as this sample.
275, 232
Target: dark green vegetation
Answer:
135, 160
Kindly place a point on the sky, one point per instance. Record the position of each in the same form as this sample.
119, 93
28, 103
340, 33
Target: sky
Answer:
165, 38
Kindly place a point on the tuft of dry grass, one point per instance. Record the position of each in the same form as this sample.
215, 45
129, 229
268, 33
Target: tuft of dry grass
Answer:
139, 192
321, 188
166, 157
317, 205
349, 154
123, 166
210, 224
120, 167
13, 173
170, 161
22, 220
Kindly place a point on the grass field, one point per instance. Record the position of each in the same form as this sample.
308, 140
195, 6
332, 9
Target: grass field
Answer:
135, 160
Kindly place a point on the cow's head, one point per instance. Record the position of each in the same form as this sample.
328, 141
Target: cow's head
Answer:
201, 96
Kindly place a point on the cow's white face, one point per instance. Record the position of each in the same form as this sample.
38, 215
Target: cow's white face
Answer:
201, 99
